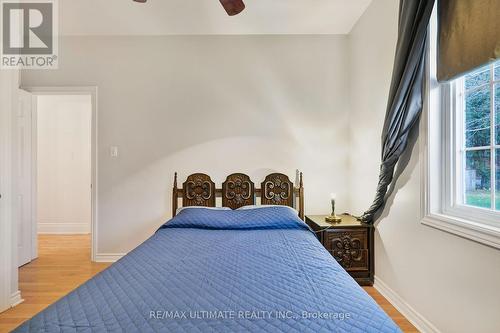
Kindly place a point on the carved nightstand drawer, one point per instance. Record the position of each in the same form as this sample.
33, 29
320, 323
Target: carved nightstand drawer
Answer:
350, 242
349, 247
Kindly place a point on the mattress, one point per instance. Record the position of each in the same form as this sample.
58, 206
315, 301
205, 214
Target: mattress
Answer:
258, 270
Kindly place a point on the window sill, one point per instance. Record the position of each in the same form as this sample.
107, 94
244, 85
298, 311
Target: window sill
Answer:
478, 232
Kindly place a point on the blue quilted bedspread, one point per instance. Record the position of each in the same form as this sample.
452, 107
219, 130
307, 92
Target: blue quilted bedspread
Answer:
259, 270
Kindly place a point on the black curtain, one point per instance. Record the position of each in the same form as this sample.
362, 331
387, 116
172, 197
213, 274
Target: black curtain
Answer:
406, 94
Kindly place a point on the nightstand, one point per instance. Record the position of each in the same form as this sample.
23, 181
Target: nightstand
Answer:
350, 242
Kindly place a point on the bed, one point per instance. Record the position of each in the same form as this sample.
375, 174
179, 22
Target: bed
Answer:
240, 268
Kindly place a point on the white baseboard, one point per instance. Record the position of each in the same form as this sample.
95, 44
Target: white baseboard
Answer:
108, 257
63, 228
419, 321
16, 299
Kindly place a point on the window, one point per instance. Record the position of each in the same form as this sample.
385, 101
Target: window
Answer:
477, 112
460, 152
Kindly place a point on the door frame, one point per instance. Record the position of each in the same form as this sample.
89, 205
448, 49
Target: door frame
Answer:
77, 90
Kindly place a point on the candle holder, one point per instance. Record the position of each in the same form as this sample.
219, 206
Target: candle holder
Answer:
333, 218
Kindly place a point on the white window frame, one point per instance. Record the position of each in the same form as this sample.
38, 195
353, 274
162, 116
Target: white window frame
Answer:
440, 149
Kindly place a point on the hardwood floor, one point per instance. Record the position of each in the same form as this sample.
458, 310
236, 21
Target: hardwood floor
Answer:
398, 318
64, 264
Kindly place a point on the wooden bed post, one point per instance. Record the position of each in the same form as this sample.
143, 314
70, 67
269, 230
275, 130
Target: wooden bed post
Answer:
301, 198
174, 196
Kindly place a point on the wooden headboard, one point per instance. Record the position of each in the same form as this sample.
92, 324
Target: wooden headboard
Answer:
237, 191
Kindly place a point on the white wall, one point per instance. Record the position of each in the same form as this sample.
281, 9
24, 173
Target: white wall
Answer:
452, 282
63, 163
215, 104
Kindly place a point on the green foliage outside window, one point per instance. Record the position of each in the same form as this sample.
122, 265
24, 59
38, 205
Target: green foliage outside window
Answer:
479, 88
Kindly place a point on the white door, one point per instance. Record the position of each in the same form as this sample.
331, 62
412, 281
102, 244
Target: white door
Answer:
6, 101
24, 211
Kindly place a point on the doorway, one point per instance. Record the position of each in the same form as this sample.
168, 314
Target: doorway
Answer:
63, 145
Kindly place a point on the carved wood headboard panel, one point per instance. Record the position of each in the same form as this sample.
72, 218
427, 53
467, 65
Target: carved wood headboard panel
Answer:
199, 190
277, 189
237, 191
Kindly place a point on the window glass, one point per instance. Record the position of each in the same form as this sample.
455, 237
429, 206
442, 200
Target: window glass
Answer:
480, 115
478, 178
497, 113
477, 117
497, 166
477, 78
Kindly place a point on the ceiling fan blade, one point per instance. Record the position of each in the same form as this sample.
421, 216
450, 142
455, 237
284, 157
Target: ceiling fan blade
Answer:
233, 7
